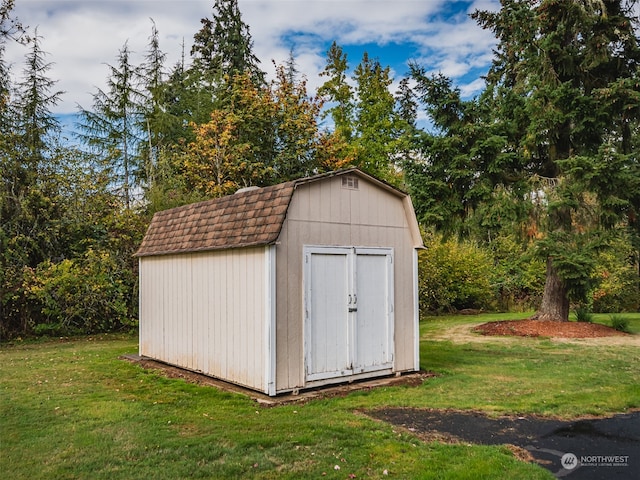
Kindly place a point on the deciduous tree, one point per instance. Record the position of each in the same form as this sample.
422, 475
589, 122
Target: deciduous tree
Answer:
297, 136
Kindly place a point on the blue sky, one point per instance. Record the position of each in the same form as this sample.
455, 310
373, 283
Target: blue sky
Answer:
82, 36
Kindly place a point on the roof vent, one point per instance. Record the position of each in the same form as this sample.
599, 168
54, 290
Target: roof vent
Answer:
247, 189
350, 183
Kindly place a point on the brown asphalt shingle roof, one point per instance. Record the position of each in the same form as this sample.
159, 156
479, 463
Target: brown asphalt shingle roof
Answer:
243, 219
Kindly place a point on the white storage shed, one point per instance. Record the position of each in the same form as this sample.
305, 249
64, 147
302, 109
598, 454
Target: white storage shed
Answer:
286, 287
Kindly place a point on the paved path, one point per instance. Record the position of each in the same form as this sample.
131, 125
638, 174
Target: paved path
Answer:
586, 449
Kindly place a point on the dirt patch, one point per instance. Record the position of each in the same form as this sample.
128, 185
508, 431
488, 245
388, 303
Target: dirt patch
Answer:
546, 328
411, 379
603, 447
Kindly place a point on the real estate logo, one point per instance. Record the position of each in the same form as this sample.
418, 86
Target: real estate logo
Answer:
569, 461
604, 460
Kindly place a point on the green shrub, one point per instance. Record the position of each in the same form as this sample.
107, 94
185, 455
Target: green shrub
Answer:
453, 276
87, 295
517, 276
617, 290
616, 279
620, 323
583, 314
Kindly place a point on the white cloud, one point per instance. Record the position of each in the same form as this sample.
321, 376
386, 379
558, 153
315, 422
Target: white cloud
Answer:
81, 36
473, 88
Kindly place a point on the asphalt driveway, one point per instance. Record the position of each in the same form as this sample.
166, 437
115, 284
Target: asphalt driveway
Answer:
585, 449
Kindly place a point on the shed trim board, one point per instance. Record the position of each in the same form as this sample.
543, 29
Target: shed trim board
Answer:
416, 314
270, 320
226, 290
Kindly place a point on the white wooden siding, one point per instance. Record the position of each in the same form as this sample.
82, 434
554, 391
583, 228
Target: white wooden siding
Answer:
208, 312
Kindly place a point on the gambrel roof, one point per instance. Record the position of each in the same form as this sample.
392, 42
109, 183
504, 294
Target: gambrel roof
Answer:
247, 218
240, 220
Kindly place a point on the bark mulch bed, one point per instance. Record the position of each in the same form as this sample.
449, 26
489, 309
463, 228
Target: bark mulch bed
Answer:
547, 328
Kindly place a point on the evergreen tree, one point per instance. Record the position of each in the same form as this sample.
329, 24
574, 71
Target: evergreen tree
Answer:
5, 94
407, 104
152, 73
447, 180
553, 132
27, 208
165, 109
35, 101
11, 176
179, 110
370, 128
30, 201
183, 102
376, 122
10, 26
112, 129
337, 93
223, 48
10, 29
407, 117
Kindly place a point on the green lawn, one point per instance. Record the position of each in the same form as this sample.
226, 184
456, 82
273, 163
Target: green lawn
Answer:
72, 409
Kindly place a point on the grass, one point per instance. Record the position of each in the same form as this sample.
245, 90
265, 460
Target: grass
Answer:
72, 409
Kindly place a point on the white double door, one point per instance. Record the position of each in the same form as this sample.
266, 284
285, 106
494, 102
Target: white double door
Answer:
348, 309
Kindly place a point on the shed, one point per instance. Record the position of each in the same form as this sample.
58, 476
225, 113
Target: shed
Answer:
286, 287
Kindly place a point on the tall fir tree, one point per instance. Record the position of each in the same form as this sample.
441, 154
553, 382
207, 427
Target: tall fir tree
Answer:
162, 123
183, 102
222, 49
407, 118
35, 101
11, 29
376, 122
337, 93
447, 183
27, 207
153, 78
114, 128
568, 62
553, 131
30, 202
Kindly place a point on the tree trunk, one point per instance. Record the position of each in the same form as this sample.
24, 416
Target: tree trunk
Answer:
555, 301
